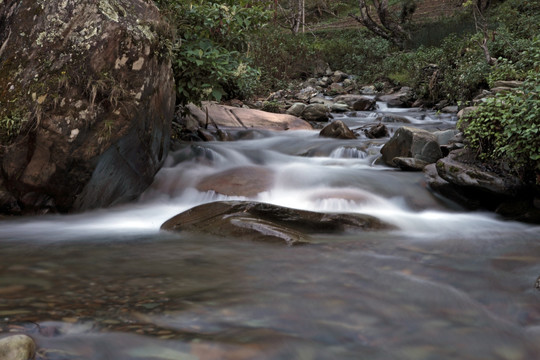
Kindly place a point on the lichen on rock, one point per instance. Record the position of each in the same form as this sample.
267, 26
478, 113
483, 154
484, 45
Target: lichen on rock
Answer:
83, 79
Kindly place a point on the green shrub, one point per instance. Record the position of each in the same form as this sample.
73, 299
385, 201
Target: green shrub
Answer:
210, 58
507, 127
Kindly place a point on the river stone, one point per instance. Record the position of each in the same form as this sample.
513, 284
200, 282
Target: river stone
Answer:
404, 98
444, 137
338, 130
233, 117
17, 347
338, 76
412, 143
296, 109
409, 164
376, 131
95, 86
266, 222
357, 102
471, 176
245, 181
339, 107
315, 112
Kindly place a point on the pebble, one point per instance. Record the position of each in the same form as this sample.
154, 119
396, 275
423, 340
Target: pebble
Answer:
17, 347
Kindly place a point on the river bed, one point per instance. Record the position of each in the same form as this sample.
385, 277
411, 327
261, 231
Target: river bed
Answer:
108, 284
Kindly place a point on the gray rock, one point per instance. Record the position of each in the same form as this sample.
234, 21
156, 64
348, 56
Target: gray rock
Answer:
339, 107
266, 222
306, 93
316, 112
17, 347
444, 137
368, 90
450, 109
338, 130
357, 102
409, 164
466, 111
404, 98
413, 143
336, 88
470, 176
296, 109
338, 76
377, 131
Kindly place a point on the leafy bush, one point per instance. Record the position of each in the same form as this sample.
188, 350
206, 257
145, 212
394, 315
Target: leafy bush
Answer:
281, 57
210, 53
507, 127
355, 52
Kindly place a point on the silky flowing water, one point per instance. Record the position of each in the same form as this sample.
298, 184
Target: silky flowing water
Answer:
108, 284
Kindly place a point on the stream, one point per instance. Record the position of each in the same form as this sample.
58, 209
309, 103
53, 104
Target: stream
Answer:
446, 284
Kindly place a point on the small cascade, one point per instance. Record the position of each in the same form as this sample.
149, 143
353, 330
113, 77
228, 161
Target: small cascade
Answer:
345, 152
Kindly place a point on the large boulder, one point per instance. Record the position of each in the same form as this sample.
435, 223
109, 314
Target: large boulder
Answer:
89, 89
338, 130
471, 176
266, 222
411, 142
213, 114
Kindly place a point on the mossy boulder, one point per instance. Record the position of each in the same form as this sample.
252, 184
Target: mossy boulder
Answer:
86, 100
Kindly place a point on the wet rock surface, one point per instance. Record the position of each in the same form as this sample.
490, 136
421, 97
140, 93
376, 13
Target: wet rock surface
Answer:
338, 130
94, 94
233, 117
411, 142
240, 181
17, 347
266, 222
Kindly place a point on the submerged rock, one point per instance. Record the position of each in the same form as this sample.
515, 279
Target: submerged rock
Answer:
338, 130
17, 347
245, 181
91, 87
266, 222
411, 142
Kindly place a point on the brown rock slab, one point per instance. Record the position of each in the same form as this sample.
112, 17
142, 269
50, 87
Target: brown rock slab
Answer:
266, 222
234, 117
245, 181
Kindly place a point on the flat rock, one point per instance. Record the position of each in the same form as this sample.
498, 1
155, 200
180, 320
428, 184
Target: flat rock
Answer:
266, 222
245, 181
233, 117
465, 175
410, 164
17, 347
